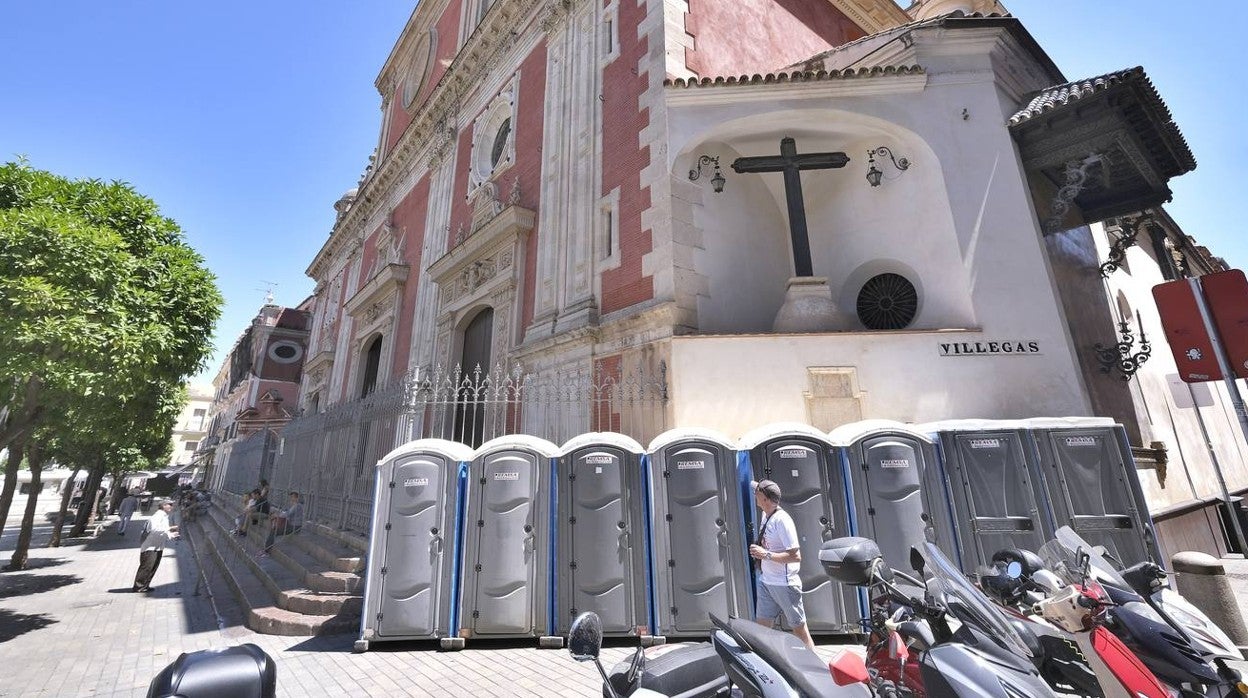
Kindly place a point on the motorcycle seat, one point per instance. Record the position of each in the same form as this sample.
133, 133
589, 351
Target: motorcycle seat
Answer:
803, 669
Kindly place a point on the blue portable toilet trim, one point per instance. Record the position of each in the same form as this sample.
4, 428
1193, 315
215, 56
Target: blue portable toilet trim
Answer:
652, 601
553, 585
864, 610
1042, 481
745, 475
947, 486
372, 536
457, 551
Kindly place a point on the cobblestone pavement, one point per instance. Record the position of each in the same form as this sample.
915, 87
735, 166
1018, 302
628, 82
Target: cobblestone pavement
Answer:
71, 627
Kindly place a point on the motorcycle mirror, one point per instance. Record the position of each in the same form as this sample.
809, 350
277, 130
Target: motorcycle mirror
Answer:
1014, 570
585, 637
917, 563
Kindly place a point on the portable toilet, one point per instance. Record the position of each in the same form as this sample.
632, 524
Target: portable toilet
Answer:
601, 532
509, 541
799, 459
990, 468
698, 533
1089, 482
412, 578
898, 487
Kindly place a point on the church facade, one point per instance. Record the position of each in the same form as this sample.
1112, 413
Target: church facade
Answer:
580, 186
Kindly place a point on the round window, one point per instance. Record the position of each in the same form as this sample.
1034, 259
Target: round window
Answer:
887, 302
285, 352
500, 142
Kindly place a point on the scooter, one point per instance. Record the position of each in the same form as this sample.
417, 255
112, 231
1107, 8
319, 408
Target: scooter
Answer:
743, 660
985, 657
687, 669
1074, 616
1149, 625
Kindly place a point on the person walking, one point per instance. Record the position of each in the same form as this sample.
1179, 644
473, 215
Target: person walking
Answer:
152, 547
779, 586
125, 511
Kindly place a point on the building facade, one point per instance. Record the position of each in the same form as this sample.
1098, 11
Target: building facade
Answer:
192, 425
257, 386
580, 188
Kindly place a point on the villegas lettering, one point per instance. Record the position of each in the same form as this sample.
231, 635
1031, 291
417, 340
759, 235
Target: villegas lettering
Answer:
1011, 347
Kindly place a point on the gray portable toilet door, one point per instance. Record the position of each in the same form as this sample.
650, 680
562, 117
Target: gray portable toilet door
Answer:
698, 530
898, 510
997, 492
416, 547
601, 570
814, 496
1087, 486
506, 565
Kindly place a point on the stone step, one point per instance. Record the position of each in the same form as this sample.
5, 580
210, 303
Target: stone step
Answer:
332, 552
348, 549
311, 570
328, 593
262, 612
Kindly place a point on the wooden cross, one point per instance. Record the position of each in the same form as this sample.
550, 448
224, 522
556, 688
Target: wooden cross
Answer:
791, 164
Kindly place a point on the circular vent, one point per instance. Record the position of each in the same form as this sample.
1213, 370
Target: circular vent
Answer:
887, 302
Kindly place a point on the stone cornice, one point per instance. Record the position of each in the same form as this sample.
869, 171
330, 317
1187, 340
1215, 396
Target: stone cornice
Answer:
872, 16
498, 33
384, 282
511, 224
733, 90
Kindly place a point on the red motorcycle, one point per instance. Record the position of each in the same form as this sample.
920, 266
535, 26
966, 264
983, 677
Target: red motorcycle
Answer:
1020, 582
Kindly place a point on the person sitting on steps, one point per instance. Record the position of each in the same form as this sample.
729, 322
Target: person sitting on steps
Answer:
284, 521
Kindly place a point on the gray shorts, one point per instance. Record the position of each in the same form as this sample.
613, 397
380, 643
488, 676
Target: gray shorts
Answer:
775, 600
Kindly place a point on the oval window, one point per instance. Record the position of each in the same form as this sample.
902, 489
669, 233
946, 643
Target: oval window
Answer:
500, 142
285, 352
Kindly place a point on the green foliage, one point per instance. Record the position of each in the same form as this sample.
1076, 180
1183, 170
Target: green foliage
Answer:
107, 311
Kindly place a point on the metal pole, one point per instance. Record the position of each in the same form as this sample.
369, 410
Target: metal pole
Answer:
1237, 401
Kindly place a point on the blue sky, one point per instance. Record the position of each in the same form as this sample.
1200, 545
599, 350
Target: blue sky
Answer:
246, 121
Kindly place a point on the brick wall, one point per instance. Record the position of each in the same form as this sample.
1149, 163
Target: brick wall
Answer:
409, 225
623, 159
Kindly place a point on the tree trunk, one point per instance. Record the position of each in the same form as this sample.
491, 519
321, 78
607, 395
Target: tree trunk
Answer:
10, 481
18, 561
67, 493
89, 492
17, 425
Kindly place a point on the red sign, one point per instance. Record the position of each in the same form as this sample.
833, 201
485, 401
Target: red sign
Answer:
1227, 295
1185, 331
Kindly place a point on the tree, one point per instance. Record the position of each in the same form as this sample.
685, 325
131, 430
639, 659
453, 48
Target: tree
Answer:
102, 297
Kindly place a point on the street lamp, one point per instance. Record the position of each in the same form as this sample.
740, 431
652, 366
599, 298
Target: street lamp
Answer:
717, 180
874, 175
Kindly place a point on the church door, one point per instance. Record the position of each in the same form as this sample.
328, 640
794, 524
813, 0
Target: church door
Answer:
474, 383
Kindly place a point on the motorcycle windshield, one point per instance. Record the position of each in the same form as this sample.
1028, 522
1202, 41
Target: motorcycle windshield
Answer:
1062, 557
969, 605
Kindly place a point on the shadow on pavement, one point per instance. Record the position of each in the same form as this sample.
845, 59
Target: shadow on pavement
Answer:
24, 583
326, 643
13, 624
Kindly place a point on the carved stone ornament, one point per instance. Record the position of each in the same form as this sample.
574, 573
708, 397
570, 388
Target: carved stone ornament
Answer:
554, 14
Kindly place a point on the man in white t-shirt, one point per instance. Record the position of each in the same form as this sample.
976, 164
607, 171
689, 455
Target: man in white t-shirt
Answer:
152, 547
779, 587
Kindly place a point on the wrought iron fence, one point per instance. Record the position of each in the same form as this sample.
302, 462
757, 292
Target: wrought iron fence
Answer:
329, 457
249, 460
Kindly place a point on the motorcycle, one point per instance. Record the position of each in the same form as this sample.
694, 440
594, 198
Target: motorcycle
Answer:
1073, 616
985, 656
743, 660
1177, 642
687, 670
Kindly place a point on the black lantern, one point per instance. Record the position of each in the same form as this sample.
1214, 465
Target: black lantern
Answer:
717, 179
874, 175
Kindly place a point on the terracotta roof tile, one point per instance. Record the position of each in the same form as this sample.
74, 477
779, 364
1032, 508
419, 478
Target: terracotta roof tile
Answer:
796, 76
1071, 93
